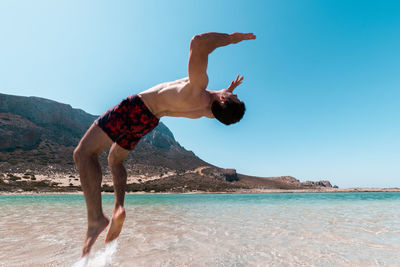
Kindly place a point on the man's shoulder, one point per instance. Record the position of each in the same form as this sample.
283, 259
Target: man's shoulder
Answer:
178, 81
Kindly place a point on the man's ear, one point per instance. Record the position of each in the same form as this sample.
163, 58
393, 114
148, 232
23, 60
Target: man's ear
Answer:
221, 98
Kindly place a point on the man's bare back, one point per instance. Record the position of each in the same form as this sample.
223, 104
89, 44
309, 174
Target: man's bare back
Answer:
177, 99
124, 125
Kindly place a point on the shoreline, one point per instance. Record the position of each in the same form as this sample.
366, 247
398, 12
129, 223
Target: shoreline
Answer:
248, 191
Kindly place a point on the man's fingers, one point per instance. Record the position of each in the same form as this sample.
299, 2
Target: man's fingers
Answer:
251, 36
237, 36
235, 83
239, 79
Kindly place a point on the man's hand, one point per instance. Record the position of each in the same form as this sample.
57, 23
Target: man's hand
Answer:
235, 83
237, 37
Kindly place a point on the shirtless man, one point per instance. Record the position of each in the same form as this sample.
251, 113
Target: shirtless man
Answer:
122, 127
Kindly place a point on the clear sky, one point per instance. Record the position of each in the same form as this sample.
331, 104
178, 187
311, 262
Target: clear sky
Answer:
321, 82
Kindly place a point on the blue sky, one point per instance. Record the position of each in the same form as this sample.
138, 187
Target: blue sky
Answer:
321, 81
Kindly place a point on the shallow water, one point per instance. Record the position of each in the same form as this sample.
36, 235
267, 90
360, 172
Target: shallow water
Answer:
329, 229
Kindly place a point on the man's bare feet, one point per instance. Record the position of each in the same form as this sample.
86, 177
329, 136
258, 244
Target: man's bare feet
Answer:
117, 221
92, 233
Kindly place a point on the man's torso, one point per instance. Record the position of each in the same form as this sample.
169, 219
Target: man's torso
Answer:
177, 99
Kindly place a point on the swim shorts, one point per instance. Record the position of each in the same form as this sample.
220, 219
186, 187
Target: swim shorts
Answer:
127, 122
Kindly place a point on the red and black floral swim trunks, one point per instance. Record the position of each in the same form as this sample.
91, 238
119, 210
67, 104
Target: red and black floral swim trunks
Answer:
127, 122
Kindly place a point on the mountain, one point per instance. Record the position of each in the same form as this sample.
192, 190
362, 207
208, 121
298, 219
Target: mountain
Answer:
26, 121
38, 136
43, 128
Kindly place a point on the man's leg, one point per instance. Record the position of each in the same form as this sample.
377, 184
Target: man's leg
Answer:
116, 157
86, 154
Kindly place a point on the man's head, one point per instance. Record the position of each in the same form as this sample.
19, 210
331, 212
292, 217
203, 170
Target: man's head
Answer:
227, 108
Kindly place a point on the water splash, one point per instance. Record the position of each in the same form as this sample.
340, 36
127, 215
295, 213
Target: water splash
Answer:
105, 256
82, 262
102, 258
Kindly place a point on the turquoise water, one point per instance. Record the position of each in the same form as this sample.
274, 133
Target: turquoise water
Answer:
282, 229
154, 199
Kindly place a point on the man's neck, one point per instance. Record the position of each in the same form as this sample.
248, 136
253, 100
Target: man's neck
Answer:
213, 96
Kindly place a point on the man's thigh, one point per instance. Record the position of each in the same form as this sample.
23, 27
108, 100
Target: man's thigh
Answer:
95, 141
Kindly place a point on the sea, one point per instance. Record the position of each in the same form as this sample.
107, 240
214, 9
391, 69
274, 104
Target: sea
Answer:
274, 229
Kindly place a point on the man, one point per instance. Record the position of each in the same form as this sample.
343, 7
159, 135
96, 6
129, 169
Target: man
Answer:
122, 127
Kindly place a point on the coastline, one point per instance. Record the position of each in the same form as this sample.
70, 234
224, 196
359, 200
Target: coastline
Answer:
244, 191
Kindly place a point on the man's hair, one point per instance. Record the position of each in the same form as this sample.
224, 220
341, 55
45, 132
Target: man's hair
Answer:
228, 112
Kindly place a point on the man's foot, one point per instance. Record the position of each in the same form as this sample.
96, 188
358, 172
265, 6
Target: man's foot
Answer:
92, 233
117, 221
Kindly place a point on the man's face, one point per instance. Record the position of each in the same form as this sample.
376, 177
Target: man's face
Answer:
225, 94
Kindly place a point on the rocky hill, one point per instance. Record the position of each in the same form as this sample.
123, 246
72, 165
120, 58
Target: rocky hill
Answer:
38, 136
26, 121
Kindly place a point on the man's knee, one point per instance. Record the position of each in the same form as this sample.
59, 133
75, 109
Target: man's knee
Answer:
77, 154
117, 156
81, 154
92, 144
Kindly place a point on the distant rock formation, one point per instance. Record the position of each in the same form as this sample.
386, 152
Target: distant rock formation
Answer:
322, 183
230, 175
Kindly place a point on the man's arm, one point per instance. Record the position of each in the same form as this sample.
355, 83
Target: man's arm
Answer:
201, 46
